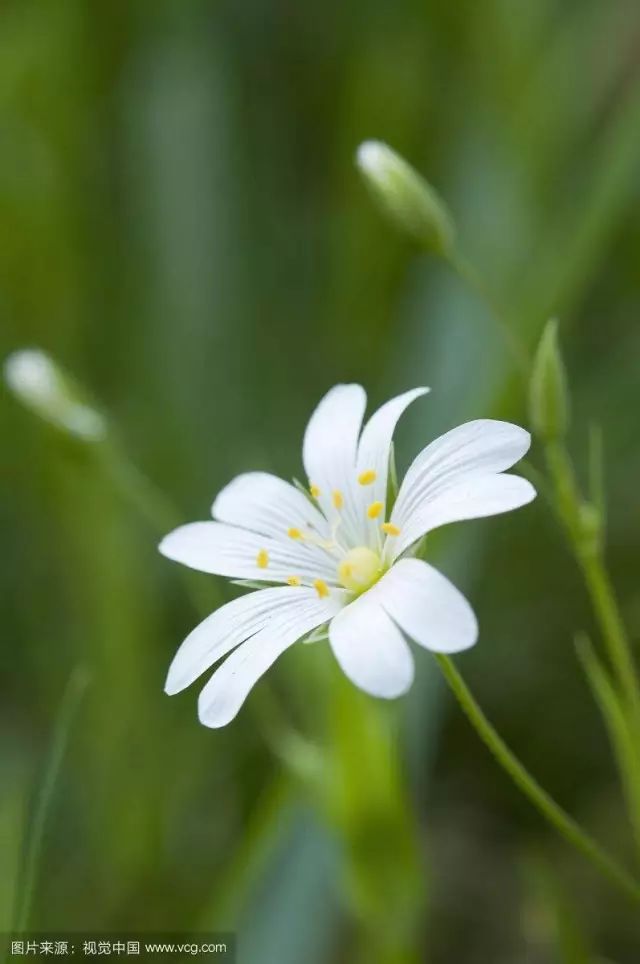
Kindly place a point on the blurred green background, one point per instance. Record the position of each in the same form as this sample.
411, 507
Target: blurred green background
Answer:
182, 226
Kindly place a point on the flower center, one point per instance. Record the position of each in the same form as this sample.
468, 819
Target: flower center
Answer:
360, 569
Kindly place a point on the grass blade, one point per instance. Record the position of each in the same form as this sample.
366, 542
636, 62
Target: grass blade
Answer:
28, 874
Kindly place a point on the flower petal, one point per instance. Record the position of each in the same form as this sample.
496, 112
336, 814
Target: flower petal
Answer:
329, 451
371, 649
481, 447
229, 686
229, 551
428, 607
375, 444
228, 626
472, 498
269, 505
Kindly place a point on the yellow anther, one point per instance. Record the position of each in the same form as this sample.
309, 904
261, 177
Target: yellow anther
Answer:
294, 581
390, 529
366, 478
314, 490
294, 533
375, 509
262, 559
337, 498
321, 588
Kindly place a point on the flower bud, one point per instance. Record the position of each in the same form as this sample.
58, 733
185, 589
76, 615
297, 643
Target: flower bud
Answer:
37, 382
405, 197
548, 391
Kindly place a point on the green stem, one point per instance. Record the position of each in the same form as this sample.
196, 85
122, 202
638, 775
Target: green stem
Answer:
608, 614
75, 689
621, 735
151, 504
468, 273
539, 797
567, 494
587, 550
137, 488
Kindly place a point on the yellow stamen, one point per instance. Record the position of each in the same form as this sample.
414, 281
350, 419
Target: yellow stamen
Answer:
337, 498
262, 559
294, 534
366, 478
375, 509
294, 581
321, 588
314, 490
390, 529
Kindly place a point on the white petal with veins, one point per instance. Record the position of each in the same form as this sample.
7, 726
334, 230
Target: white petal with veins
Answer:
472, 498
269, 505
482, 447
225, 550
329, 452
371, 649
230, 685
373, 454
228, 626
428, 607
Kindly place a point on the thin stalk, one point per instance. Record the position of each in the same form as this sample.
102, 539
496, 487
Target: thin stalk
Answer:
469, 274
588, 553
612, 627
546, 805
567, 495
137, 488
71, 699
596, 472
617, 723
152, 505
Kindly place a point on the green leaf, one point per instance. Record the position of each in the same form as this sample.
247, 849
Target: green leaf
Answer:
34, 842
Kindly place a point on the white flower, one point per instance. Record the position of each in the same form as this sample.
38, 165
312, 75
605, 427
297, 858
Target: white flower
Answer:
342, 553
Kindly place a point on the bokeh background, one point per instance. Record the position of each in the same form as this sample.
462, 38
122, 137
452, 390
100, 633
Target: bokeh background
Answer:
182, 227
